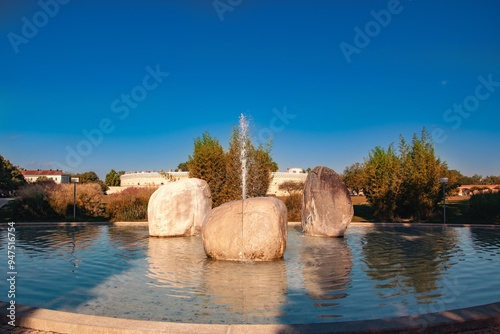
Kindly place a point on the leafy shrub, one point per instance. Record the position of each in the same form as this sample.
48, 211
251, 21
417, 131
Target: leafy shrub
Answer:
485, 206
293, 203
130, 205
32, 203
48, 200
88, 199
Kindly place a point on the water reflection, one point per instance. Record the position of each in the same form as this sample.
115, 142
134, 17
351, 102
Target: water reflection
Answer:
251, 288
39, 240
326, 269
485, 239
408, 260
176, 263
181, 266
127, 242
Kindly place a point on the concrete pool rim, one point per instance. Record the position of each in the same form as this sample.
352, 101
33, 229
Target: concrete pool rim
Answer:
471, 318
62, 224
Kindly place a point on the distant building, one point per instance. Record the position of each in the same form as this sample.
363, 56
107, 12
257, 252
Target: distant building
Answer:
57, 175
292, 174
149, 178
295, 170
155, 179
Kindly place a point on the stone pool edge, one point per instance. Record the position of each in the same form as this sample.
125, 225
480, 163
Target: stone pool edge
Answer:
289, 223
471, 318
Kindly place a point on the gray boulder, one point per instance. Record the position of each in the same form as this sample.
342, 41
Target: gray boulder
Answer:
326, 208
178, 208
259, 234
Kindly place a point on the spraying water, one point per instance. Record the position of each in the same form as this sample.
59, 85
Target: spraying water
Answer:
244, 155
244, 173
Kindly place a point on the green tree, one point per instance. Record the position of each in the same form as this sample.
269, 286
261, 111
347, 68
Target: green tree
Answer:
383, 181
491, 180
421, 171
183, 166
87, 177
354, 177
232, 189
11, 177
113, 178
406, 185
91, 177
259, 165
454, 177
208, 163
477, 179
222, 170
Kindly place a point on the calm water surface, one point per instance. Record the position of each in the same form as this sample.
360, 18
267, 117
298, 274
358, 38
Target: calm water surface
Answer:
373, 272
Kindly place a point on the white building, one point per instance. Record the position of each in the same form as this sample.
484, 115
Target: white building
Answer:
57, 175
153, 178
149, 178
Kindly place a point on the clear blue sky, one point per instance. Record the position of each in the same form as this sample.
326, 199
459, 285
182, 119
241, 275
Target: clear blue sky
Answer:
353, 74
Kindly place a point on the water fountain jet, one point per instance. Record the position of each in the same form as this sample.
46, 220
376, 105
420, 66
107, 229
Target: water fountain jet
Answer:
262, 220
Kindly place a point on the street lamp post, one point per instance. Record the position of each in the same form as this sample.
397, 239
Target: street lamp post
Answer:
74, 180
443, 180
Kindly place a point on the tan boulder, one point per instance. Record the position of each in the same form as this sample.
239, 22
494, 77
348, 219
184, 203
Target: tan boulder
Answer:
259, 234
178, 208
326, 208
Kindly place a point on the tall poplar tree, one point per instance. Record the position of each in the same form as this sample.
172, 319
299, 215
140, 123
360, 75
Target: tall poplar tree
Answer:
208, 163
383, 181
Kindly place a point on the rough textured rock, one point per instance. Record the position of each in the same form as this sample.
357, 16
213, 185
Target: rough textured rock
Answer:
178, 208
326, 208
259, 234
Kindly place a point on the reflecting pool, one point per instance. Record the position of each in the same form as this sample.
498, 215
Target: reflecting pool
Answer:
373, 272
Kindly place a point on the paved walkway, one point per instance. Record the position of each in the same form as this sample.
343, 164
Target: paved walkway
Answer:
20, 330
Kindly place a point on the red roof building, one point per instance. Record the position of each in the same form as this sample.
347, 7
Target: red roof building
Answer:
57, 175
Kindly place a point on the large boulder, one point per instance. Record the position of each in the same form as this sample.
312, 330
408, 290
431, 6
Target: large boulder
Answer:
258, 234
326, 208
178, 208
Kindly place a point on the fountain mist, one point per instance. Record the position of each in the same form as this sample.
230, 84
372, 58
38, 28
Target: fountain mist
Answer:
243, 154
